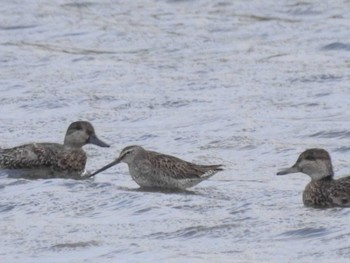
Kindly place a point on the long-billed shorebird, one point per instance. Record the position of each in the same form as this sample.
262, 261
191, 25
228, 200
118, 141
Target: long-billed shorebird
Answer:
323, 190
48, 160
156, 170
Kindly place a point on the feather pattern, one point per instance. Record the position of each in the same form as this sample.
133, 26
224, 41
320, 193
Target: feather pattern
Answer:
328, 193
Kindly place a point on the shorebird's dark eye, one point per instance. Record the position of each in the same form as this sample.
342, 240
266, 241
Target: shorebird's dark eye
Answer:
126, 153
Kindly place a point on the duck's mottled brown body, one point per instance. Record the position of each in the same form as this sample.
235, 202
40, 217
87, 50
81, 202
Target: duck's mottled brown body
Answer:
327, 192
323, 191
156, 170
47, 160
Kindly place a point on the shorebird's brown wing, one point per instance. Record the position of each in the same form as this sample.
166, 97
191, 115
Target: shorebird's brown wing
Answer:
340, 192
180, 169
25, 156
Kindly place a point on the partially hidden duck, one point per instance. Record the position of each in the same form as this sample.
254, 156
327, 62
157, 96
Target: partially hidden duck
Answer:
323, 191
50, 160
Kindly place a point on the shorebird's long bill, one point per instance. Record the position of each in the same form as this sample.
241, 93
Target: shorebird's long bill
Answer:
291, 170
94, 140
105, 167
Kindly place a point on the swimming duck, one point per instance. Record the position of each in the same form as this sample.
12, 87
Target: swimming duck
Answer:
323, 190
156, 170
48, 160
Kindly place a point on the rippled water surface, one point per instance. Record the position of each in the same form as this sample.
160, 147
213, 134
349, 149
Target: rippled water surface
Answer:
249, 84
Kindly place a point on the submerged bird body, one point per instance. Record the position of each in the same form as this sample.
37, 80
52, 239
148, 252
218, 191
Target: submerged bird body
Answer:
48, 160
328, 192
156, 170
152, 169
323, 190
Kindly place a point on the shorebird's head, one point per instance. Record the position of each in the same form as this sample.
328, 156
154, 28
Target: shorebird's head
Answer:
127, 155
314, 162
80, 133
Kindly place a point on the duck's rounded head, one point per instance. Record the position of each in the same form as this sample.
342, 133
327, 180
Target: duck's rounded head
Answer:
80, 133
314, 162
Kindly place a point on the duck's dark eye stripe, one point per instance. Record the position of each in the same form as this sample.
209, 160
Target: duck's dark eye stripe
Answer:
310, 158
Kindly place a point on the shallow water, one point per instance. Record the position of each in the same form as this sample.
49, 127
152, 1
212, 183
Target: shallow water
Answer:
249, 84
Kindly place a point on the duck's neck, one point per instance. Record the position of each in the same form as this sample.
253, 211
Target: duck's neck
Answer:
71, 146
328, 178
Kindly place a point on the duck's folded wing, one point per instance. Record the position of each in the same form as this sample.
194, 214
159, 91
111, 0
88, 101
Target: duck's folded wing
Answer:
340, 193
25, 156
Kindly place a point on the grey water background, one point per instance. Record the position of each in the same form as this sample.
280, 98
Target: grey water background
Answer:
249, 84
